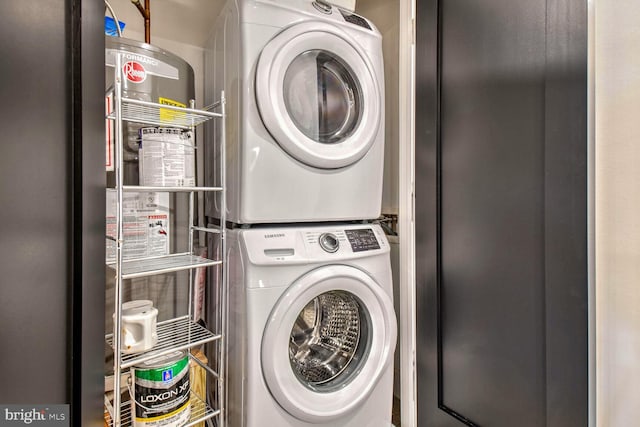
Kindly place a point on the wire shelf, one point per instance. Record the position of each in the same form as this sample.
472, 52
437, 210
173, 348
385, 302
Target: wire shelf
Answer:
200, 411
136, 111
173, 335
160, 189
132, 269
180, 333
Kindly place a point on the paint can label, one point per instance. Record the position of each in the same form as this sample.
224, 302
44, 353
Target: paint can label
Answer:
162, 394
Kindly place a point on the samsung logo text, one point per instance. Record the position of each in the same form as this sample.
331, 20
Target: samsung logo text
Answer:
273, 236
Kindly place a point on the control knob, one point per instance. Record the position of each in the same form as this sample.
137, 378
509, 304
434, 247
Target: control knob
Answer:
329, 242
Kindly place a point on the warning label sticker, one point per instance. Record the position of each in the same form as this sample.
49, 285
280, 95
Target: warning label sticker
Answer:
167, 115
146, 225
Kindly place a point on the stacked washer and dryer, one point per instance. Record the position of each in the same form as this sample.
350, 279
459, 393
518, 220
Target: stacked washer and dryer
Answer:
312, 329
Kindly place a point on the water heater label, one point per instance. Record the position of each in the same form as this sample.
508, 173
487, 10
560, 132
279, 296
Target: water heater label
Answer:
168, 116
109, 132
146, 225
148, 65
134, 72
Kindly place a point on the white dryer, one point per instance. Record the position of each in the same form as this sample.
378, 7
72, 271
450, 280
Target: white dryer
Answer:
312, 327
305, 101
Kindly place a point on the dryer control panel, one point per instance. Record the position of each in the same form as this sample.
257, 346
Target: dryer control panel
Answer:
352, 18
325, 8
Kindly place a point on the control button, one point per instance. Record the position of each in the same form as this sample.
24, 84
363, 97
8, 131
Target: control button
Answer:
322, 7
329, 242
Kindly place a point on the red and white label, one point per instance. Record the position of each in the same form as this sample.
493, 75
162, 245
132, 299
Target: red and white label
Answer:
134, 72
108, 106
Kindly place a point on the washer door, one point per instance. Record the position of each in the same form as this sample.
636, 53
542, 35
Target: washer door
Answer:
318, 95
327, 342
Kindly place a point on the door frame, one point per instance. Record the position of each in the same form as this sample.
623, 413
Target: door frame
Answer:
406, 222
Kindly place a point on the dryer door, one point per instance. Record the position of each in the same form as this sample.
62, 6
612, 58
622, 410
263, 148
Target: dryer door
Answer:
327, 342
318, 95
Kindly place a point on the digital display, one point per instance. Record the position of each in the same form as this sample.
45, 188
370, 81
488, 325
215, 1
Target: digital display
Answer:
362, 240
355, 19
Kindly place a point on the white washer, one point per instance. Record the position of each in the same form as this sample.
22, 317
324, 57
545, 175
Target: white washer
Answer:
305, 101
312, 327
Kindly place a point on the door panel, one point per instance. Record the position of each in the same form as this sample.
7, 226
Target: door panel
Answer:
492, 162
500, 142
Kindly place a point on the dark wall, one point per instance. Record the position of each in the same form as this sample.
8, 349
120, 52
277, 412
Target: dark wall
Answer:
52, 198
89, 213
501, 204
492, 210
36, 203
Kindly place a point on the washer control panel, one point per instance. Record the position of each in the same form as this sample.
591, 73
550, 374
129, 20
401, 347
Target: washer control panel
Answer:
356, 239
293, 245
329, 242
363, 239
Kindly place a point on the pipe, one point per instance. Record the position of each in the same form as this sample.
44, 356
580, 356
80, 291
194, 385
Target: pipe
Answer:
115, 18
145, 11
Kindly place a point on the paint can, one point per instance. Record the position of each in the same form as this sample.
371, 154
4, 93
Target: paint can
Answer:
160, 393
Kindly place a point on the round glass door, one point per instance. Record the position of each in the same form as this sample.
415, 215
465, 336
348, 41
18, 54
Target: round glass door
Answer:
329, 340
319, 95
322, 96
322, 354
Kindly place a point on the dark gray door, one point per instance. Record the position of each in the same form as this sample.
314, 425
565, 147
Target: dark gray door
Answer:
501, 212
52, 197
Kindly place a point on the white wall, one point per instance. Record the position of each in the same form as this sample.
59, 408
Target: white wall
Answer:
617, 136
385, 15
